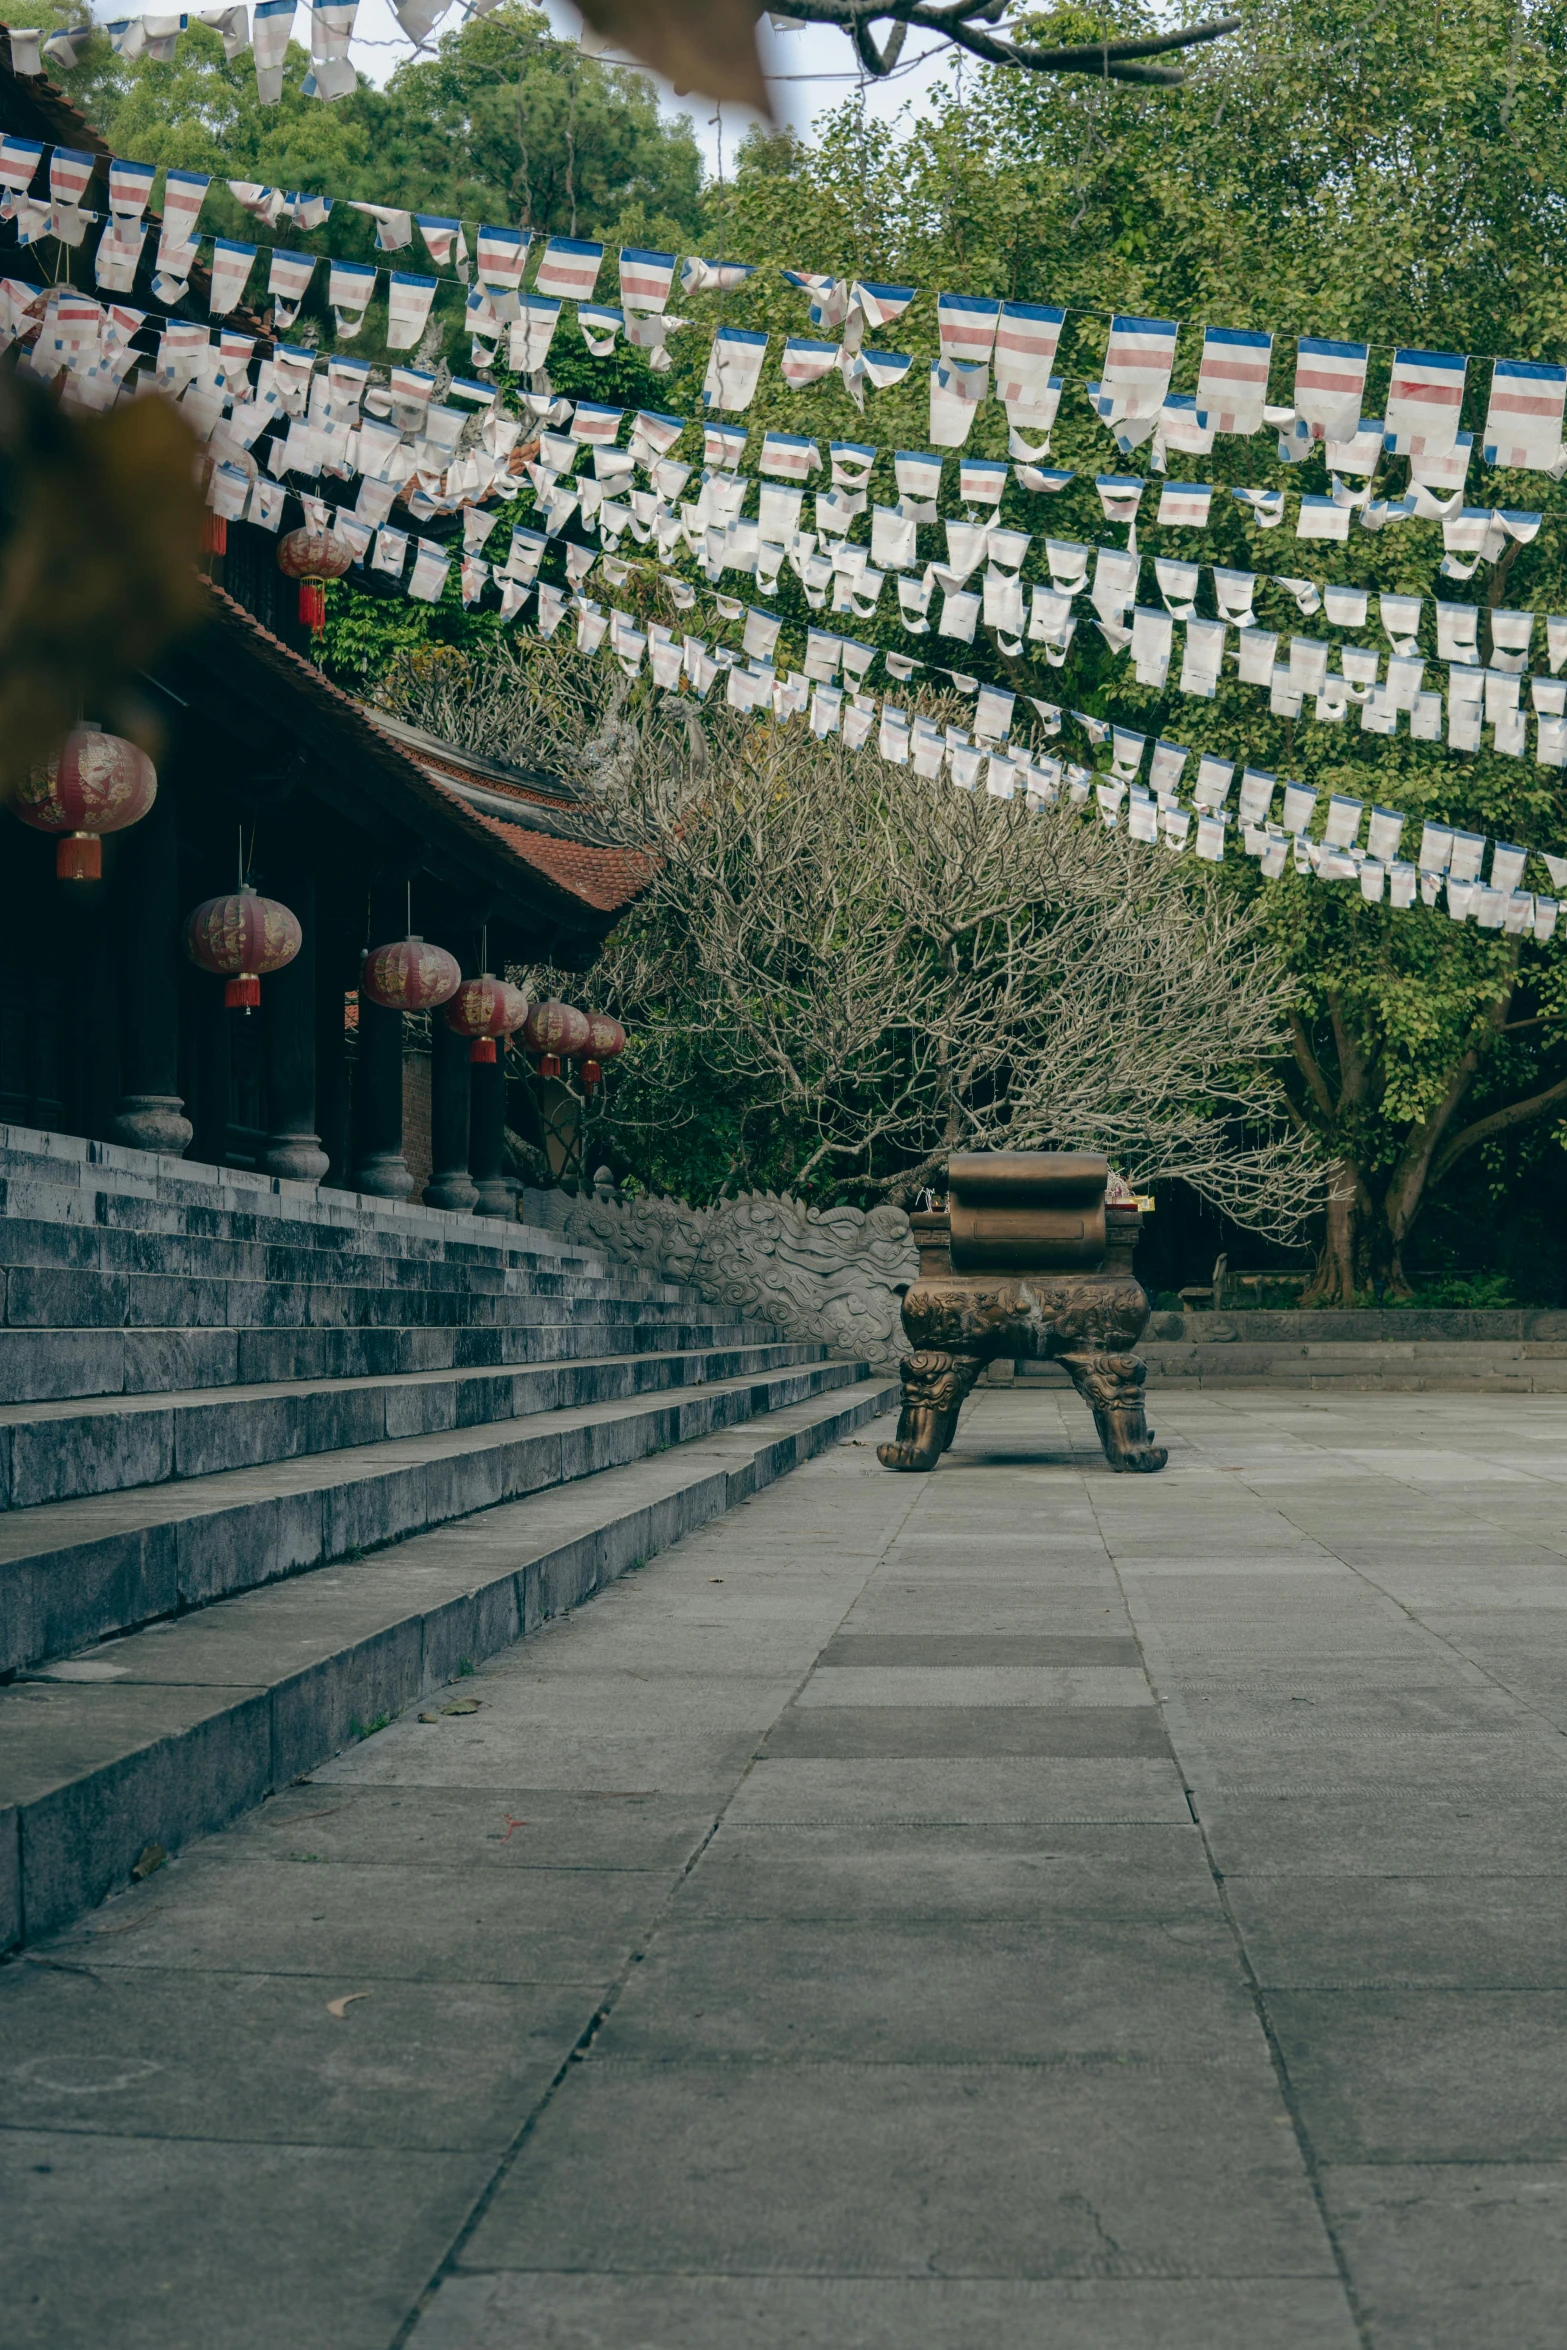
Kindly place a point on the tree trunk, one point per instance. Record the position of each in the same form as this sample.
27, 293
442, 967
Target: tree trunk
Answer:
1351, 1251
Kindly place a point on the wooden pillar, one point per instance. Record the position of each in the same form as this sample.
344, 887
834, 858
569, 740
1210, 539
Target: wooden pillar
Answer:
497, 1194
150, 1114
379, 1166
288, 1013
450, 1184
334, 1111
210, 1105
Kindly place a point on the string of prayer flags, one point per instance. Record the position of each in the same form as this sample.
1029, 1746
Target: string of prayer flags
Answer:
1184, 504
789, 456
1120, 494
288, 282
734, 368
60, 48
1028, 335
569, 267
119, 250
1330, 384
645, 278
431, 566
918, 477
1523, 423
407, 308
393, 229
878, 305
1424, 396
69, 173
531, 334
444, 240
350, 289
1322, 518
981, 481
501, 253
713, 277
19, 162
1266, 506
807, 362
881, 369
598, 326
271, 24
956, 389
967, 325
130, 188
595, 425
331, 72
1232, 382
232, 26
1138, 359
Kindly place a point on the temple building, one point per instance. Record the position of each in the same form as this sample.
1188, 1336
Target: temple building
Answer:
363, 829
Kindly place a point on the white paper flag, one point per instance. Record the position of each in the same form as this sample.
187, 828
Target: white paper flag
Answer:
408, 308
733, 368
272, 23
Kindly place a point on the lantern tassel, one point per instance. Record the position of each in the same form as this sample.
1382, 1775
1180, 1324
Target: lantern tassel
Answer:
214, 533
79, 857
482, 1049
312, 605
242, 994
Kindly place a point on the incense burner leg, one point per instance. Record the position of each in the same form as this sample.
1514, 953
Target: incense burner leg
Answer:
1112, 1387
934, 1385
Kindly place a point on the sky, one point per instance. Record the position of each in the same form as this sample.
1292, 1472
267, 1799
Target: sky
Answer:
809, 70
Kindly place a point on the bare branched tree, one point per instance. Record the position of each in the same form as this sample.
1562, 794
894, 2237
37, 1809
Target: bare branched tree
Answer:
894, 969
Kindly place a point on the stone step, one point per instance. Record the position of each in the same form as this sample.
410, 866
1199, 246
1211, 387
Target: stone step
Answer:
43, 1297
79, 1571
109, 1444
51, 1365
291, 1214
65, 1179
166, 1735
37, 1244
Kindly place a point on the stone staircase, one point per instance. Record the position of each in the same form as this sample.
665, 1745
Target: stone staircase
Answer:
274, 1462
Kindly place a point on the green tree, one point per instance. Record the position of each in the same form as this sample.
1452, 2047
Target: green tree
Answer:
1386, 173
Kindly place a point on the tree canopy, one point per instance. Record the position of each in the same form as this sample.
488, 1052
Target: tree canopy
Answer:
1366, 168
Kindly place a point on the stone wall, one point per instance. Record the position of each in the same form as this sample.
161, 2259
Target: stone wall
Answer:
834, 1275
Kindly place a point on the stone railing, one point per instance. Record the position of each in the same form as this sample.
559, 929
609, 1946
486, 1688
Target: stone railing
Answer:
832, 1275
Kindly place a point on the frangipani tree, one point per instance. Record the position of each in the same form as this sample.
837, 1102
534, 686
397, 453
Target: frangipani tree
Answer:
840, 973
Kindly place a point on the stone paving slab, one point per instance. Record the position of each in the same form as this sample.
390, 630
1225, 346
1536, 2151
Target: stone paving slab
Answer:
660, 2312
793, 1950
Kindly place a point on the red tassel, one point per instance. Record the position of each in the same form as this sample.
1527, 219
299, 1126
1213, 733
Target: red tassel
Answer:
242, 994
312, 605
482, 1049
592, 1075
79, 857
549, 1064
214, 533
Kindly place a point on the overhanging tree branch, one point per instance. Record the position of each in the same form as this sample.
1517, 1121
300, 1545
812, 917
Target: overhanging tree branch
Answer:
964, 26
1497, 1122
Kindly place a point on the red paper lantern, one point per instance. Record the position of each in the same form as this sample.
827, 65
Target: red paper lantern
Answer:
555, 1031
95, 783
410, 976
483, 1009
311, 556
241, 937
606, 1042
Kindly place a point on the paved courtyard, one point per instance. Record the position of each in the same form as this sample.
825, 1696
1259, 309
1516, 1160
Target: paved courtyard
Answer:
1020, 1907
